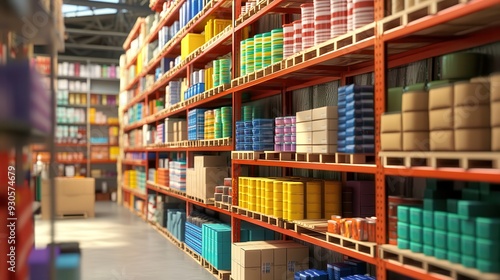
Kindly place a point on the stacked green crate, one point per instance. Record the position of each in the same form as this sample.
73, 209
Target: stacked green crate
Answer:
462, 227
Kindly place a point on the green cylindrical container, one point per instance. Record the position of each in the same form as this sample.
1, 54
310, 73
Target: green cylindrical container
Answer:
258, 51
250, 56
247, 113
266, 49
243, 54
216, 75
224, 71
217, 114
218, 130
276, 45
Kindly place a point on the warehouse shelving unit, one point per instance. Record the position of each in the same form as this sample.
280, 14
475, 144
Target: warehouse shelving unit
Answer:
391, 41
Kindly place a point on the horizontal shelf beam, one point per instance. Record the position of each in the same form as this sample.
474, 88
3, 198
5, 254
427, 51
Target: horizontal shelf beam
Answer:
355, 168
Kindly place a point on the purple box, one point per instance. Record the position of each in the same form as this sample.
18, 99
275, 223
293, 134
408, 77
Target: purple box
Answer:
279, 130
279, 121
277, 147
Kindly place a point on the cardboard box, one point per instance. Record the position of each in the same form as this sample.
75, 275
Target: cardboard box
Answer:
327, 112
415, 121
304, 148
280, 272
250, 256
442, 140
441, 97
495, 114
324, 149
304, 138
467, 93
416, 141
415, 101
495, 87
441, 119
495, 139
191, 182
304, 127
207, 178
391, 141
325, 124
391, 122
473, 139
472, 116
303, 116
325, 137
73, 196
267, 263
210, 161
250, 273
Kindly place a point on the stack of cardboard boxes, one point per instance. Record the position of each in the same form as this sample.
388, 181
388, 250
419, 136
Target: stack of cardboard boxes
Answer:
442, 134
317, 130
175, 130
495, 112
415, 120
268, 260
208, 172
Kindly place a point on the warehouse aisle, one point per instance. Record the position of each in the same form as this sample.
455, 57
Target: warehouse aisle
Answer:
117, 245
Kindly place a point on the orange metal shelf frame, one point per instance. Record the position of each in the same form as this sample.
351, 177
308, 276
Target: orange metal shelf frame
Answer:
134, 162
452, 29
135, 192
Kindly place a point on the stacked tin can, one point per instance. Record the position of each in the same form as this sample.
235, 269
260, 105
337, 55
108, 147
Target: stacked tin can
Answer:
339, 17
244, 131
276, 45
243, 57
297, 36
322, 21
250, 56
216, 76
209, 124
363, 13
266, 49
288, 40
263, 134
217, 124
285, 134
224, 71
307, 11
226, 119
257, 43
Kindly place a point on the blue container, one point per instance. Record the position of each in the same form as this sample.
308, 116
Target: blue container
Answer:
360, 140
263, 131
341, 135
363, 149
360, 113
367, 121
263, 147
359, 104
263, 139
263, 123
248, 124
360, 131
248, 131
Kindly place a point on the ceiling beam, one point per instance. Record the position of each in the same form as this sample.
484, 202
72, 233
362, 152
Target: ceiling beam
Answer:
95, 32
93, 47
101, 5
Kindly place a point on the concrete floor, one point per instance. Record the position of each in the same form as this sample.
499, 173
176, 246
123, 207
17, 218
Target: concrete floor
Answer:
118, 245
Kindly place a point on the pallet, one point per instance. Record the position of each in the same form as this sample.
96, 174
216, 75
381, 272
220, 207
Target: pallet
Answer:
281, 156
432, 265
288, 225
354, 158
465, 160
247, 155
73, 216
206, 201
219, 274
163, 231
362, 247
306, 230
222, 205
319, 225
196, 257
418, 11
315, 158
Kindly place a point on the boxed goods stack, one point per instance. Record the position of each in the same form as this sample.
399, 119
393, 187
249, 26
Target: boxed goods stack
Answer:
356, 120
324, 128
276, 45
281, 259
244, 130
441, 112
224, 193
297, 36
194, 224
223, 122
222, 72
263, 134
216, 245
208, 172
177, 175
415, 119
196, 125
176, 218
172, 93
391, 132
462, 230
304, 131
209, 125
322, 18
190, 43
285, 134
197, 84
495, 111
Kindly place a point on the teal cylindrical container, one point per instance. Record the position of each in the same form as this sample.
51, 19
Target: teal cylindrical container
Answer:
224, 71
243, 57
276, 45
247, 113
266, 49
250, 56
216, 75
258, 51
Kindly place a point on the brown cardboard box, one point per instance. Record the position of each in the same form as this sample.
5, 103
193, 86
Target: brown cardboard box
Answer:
304, 127
280, 272
303, 116
415, 121
471, 116
391, 122
209, 177
467, 93
250, 256
267, 263
325, 124
441, 119
415, 101
391, 141
442, 140
495, 87
495, 114
250, 273
304, 138
324, 149
325, 137
473, 139
210, 161
495, 139
441, 97
73, 196
416, 141
327, 112
191, 182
